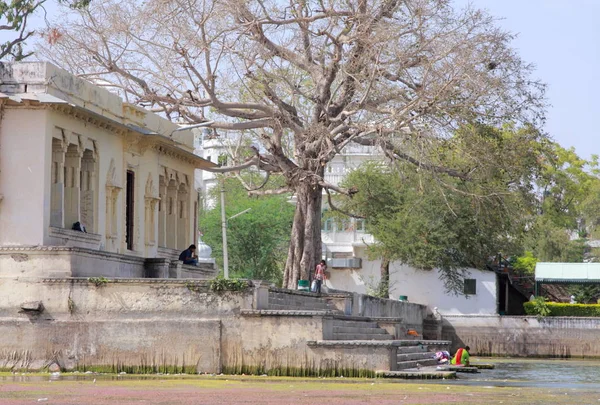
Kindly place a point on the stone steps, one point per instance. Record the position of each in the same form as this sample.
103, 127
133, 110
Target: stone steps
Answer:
354, 324
284, 307
364, 336
351, 329
413, 356
282, 300
403, 365
412, 349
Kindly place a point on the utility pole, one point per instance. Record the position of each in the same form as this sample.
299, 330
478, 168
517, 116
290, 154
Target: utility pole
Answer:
224, 230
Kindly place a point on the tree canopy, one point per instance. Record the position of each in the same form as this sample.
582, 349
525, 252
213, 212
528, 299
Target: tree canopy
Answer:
306, 78
527, 199
257, 241
439, 221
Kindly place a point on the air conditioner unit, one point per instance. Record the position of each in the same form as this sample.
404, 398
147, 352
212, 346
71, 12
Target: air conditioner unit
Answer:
348, 263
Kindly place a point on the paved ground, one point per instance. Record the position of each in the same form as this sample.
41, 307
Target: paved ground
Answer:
236, 390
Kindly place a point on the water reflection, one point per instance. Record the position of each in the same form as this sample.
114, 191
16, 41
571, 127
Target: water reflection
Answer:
536, 373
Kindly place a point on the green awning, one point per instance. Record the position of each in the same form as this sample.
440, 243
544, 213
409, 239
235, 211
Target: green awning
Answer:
567, 273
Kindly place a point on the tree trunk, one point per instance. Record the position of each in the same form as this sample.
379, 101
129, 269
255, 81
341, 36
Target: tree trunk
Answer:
384, 282
305, 244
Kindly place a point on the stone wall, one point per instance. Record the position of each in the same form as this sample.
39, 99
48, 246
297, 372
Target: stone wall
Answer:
412, 315
158, 324
144, 344
524, 336
68, 261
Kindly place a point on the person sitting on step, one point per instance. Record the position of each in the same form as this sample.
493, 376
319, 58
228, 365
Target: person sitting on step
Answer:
188, 256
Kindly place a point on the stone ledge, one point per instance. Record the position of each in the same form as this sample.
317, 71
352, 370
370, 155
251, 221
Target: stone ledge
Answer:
378, 343
72, 249
184, 282
74, 235
417, 375
309, 294
276, 312
368, 318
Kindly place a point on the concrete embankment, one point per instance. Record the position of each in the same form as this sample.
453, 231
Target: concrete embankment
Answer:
157, 325
524, 336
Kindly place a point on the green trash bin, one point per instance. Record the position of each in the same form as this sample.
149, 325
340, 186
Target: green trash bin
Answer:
303, 285
403, 298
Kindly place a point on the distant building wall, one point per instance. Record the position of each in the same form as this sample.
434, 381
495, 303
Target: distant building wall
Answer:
421, 287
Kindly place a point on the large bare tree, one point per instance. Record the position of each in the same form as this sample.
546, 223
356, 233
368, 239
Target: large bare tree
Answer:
306, 78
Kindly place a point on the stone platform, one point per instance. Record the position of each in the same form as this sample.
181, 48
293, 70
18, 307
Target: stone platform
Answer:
177, 324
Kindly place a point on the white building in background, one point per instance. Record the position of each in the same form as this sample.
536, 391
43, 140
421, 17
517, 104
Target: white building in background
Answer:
345, 245
210, 148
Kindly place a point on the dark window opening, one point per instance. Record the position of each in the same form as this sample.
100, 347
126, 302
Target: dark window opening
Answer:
129, 209
470, 286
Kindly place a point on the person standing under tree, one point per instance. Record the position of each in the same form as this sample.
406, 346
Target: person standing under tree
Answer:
320, 275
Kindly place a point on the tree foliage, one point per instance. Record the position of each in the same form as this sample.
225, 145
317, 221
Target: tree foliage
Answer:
257, 240
567, 203
447, 223
14, 18
306, 78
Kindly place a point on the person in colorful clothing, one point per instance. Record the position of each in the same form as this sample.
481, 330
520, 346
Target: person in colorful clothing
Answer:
461, 358
442, 357
320, 276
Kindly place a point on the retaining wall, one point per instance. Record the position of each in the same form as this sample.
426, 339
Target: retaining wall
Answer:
165, 324
525, 336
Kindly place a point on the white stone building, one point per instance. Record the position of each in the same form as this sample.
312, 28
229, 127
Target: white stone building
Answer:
71, 152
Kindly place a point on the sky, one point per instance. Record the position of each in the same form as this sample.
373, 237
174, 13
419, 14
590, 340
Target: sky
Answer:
562, 39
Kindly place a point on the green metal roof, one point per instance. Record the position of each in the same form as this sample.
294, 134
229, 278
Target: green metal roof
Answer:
555, 273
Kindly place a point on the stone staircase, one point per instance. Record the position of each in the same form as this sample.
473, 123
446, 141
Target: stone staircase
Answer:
414, 357
339, 334
286, 300
344, 329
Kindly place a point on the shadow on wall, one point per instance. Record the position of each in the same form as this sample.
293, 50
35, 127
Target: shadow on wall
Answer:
449, 333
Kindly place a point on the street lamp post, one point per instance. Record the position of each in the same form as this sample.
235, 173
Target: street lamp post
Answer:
200, 125
224, 220
224, 231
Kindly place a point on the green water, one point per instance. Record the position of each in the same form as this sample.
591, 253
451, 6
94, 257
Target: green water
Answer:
536, 373
567, 374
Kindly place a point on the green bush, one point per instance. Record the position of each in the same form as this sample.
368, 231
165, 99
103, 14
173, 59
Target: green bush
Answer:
563, 309
220, 285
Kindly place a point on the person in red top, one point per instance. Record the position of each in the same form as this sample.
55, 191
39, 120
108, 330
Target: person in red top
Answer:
320, 275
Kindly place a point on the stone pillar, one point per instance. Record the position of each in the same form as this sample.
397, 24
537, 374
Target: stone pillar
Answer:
171, 222
72, 185
57, 188
112, 195
182, 217
162, 212
88, 192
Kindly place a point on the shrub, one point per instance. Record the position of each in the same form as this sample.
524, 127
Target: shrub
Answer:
526, 263
563, 309
220, 285
538, 307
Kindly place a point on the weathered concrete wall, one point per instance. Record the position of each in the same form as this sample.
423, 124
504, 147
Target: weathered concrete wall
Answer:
159, 344
412, 315
65, 299
143, 323
166, 323
524, 336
